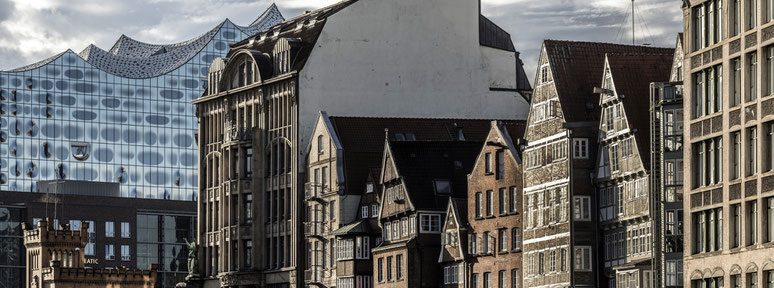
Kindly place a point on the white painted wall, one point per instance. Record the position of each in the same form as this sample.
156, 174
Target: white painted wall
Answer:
406, 58
500, 66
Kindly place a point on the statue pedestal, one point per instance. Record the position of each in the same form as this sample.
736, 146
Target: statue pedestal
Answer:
191, 282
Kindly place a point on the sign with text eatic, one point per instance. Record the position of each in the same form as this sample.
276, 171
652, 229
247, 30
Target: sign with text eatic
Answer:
94, 261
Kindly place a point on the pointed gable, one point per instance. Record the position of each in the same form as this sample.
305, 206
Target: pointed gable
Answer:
631, 76
454, 225
576, 68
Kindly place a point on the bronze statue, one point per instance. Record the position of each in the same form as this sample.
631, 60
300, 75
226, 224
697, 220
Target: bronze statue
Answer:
193, 260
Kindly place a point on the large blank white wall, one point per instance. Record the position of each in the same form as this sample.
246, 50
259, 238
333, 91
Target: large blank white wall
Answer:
406, 58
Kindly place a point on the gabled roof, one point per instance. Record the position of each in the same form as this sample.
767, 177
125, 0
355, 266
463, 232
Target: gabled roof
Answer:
419, 163
362, 139
632, 75
491, 35
577, 68
460, 216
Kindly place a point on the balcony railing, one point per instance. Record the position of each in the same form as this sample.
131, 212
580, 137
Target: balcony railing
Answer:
316, 228
314, 190
316, 274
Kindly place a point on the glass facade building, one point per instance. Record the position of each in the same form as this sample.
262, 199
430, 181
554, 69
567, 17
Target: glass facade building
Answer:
161, 239
121, 115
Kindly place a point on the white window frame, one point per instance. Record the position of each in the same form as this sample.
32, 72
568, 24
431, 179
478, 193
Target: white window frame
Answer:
364, 211
374, 210
580, 148
583, 263
585, 208
125, 255
110, 229
125, 230
432, 218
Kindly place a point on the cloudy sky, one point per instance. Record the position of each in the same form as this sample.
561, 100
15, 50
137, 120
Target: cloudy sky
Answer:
34, 30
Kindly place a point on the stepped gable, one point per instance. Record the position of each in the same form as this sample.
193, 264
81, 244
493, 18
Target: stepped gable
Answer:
577, 68
420, 162
632, 75
363, 139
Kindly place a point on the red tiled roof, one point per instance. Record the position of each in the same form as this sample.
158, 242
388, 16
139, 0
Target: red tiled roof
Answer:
578, 67
632, 75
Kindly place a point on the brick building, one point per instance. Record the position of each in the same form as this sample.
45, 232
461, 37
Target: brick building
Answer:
494, 207
343, 193
622, 168
418, 180
559, 158
729, 164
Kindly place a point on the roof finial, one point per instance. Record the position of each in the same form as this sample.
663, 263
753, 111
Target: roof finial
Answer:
386, 134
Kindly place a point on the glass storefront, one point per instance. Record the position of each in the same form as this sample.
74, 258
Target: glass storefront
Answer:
161, 239
11, 247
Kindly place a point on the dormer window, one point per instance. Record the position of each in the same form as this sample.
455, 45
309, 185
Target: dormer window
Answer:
442, 187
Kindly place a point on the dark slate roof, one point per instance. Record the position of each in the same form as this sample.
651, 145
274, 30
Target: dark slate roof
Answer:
420, 162
491, 35
358, 227
632, 75
363, 139
578, 67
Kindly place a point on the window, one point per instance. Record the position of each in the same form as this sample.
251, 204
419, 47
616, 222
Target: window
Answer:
503, 201
487, 279
109, 229
515, 278
500, 161
545, 74
502, 239
752, 14
399, 266
736, 225
412, 224
768, 146
515, 238
249, 162
404, 229
380, 267
370, 188
707, 162
626, 147
451, 274
389, 268
332, 208
125, 256
563, 259
582, 208
552, 261
430, 223
501, 279
674, 272
736, 93
583, 258
514, 199
752, 151
560, 150
479, 204
614, 158
320, 144
489, 202
248, 253
348, 282
736, 155
473, 244
442, 187
345, 249
708, 94
541, 263
752, 280
488, 161
736, 281
752, 72
752, 222
109, 252
485, 243
769, 275
364, 212
474, 280
580, 148
249, 208
768, 222
374, 210
362, 247
707, 230
125, 231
